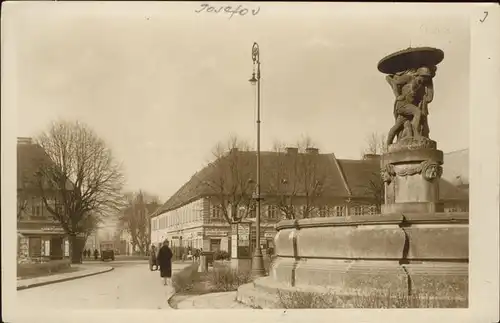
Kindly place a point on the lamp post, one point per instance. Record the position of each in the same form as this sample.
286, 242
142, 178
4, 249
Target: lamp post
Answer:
257, 260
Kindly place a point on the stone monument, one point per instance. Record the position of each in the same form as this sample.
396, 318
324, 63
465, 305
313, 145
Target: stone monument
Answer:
411, 168
412, 250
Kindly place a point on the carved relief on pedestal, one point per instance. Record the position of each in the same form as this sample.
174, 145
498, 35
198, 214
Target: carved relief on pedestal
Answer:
430, 170
387, 173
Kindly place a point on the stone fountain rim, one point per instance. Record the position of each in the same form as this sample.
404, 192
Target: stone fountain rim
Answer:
386, 219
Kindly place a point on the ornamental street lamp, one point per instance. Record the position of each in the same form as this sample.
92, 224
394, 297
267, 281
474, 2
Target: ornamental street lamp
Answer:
258, 260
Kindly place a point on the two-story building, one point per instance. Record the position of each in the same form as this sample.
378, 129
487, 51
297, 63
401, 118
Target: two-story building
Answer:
335, 187
39, 236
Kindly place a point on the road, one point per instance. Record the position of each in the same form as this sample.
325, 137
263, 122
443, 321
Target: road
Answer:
131, 285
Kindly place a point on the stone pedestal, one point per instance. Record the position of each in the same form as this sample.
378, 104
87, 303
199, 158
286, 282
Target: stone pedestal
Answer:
411, 171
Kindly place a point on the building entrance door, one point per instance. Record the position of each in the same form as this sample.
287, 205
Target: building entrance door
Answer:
214, 245
56, 248
35, 247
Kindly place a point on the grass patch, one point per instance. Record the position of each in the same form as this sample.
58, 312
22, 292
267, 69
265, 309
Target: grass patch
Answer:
218, 279
226, 279
374, 300
222, 278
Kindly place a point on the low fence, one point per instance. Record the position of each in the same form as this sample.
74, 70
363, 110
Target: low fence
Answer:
35, 269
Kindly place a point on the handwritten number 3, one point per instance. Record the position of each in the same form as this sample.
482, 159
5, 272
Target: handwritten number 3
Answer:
485, 15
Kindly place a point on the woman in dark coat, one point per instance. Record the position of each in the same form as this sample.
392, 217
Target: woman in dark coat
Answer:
164, 260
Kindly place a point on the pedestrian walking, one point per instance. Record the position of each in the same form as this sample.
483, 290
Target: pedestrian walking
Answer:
164, 260
152, 258
96, 254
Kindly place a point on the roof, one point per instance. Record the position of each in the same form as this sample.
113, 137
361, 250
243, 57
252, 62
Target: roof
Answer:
341, 178
30, 157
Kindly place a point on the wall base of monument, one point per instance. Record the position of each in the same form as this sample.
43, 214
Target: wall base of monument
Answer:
420, 260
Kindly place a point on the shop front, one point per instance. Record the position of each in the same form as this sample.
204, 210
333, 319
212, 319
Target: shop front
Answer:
216, 239
41, 244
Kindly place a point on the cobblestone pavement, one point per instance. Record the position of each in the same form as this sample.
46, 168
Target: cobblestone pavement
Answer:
131, 286
224, 300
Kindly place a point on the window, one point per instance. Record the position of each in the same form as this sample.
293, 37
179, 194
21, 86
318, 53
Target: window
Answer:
46, 250
372, 210
272, 212
339, 211
59, 208
323, 211
33, 204
358, 210
216, 212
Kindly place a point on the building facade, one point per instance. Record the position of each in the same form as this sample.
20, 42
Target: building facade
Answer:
341, 187
201, 225
39, 236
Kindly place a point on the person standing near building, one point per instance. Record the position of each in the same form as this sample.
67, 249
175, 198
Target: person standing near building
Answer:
164, 260
152, 258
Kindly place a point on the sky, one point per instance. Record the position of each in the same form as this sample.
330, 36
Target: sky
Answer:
162, 84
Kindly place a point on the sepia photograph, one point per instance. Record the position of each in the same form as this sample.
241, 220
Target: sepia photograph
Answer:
238, 155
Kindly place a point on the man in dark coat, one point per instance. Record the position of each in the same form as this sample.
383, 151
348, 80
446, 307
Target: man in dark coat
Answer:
164, 260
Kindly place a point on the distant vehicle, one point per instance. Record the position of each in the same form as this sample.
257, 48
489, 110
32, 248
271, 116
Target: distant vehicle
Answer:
107, 254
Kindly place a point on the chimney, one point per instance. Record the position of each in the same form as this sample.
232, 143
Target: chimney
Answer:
371, 157
311, 150
24, 140
292, 150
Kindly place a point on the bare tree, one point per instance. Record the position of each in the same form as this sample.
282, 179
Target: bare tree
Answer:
82, 182
230, 179
89, 225
135, 218
297, 180
376, 144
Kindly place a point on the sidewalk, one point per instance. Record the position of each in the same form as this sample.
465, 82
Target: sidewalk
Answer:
82, 271
225, 300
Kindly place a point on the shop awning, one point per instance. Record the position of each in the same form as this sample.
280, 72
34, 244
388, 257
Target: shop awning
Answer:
41, 232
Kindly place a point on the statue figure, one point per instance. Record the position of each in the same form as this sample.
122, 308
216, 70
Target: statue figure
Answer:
413, 89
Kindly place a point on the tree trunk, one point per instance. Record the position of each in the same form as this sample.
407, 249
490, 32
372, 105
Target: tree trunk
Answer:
76, 245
